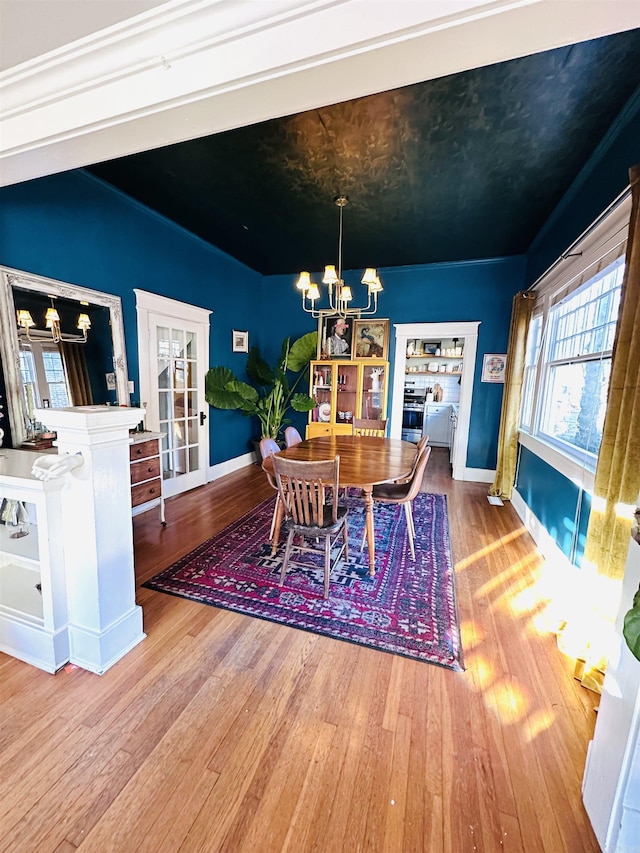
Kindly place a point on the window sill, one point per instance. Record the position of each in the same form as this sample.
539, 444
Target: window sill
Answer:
570, 468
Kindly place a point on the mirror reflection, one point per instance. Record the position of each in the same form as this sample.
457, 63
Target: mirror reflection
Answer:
61, 364
61, 345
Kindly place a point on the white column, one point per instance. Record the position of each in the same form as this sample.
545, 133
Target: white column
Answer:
104, 620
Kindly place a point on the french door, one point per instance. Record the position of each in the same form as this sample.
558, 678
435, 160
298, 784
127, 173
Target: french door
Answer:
173, 363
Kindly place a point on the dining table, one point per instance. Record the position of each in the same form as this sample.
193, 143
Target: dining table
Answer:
365, 461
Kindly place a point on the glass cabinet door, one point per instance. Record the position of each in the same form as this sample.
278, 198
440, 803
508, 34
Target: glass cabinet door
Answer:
346, 392
321, 391
374, 391
20, 589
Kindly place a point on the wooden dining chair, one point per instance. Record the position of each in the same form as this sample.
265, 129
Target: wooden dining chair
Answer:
369, 426
404, 493
304, 488
292, 436
267, 447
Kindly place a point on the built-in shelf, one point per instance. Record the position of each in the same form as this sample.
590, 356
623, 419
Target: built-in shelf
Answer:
438, 357
23, 547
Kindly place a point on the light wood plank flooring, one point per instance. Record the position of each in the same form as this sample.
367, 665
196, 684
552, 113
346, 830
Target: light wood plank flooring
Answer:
220, 732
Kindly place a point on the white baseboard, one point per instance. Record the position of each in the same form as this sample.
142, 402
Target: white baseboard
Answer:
477, 475
228, 467
97, 652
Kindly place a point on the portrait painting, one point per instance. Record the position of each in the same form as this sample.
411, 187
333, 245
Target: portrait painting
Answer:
335, 337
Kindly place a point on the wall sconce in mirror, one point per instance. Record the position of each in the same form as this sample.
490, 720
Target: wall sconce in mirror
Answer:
52, 323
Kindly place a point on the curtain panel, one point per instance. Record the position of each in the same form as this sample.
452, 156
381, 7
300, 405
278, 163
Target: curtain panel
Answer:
75, 367
502, 486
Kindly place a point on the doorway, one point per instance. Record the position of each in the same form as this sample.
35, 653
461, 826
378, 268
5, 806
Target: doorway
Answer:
467, 335
173, 347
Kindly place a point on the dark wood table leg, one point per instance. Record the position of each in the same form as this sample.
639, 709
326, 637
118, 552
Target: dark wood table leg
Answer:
368, 516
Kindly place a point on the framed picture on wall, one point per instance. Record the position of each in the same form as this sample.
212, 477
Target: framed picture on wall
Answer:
334, 336
493, 367
370, 339
239, 341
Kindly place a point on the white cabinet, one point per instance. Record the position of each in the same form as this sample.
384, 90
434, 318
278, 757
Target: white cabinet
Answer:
437, 423
33, 603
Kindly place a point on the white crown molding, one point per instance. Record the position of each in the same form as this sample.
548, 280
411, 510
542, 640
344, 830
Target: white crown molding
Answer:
156, 79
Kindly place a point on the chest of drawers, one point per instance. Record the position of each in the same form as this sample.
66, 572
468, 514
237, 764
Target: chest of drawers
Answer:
146, 474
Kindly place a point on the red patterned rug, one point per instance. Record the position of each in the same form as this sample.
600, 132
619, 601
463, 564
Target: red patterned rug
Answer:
408, 608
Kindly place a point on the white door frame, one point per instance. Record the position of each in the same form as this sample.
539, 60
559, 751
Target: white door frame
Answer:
411, 331
175, 311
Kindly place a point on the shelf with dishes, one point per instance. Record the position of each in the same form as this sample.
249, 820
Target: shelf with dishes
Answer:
434, 369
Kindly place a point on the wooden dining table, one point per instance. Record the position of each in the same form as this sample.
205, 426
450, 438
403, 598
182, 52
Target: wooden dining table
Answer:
365, 461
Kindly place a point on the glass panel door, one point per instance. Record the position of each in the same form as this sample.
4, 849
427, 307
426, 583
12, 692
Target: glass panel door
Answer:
180, 400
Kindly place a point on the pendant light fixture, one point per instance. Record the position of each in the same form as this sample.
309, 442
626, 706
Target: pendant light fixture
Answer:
338, 293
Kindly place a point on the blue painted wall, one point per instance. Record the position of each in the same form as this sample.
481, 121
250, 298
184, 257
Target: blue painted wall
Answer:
74, 228
560, 505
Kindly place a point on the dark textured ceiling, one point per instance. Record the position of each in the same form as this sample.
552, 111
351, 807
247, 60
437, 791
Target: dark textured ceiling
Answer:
463, 167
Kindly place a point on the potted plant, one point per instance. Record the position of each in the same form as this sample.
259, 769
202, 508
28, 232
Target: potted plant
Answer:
272, 391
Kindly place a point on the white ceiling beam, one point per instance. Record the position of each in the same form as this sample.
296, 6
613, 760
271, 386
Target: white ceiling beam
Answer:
190, 68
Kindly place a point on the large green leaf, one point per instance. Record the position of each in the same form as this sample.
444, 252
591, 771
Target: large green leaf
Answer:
631, 627
218, 390
243, 390
257, 368
302, 351
217, 378
302, 403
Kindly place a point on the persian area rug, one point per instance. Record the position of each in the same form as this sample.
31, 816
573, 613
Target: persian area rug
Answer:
408, 608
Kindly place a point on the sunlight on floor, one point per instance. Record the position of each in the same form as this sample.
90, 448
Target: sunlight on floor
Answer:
507, 701
537, 723
488, 549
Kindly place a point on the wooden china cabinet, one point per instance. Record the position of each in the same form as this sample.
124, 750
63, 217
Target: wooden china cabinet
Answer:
344, 390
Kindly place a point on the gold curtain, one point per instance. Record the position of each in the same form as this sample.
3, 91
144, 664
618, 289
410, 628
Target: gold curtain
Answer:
617, 480
508, 435
75, 366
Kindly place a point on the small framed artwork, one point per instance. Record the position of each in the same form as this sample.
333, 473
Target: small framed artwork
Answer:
431, 348
493, 367
239, 341
335, 335
370, 339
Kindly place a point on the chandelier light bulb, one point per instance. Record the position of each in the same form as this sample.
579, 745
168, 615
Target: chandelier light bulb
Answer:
304, 282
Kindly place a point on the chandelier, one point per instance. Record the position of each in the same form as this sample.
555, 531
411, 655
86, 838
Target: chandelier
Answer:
52, 323
339, 293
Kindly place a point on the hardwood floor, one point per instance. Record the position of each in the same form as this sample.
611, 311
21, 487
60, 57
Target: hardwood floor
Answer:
220, 732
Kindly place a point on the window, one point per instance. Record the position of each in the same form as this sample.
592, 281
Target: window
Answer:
569, 356
56, 380
43, 376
